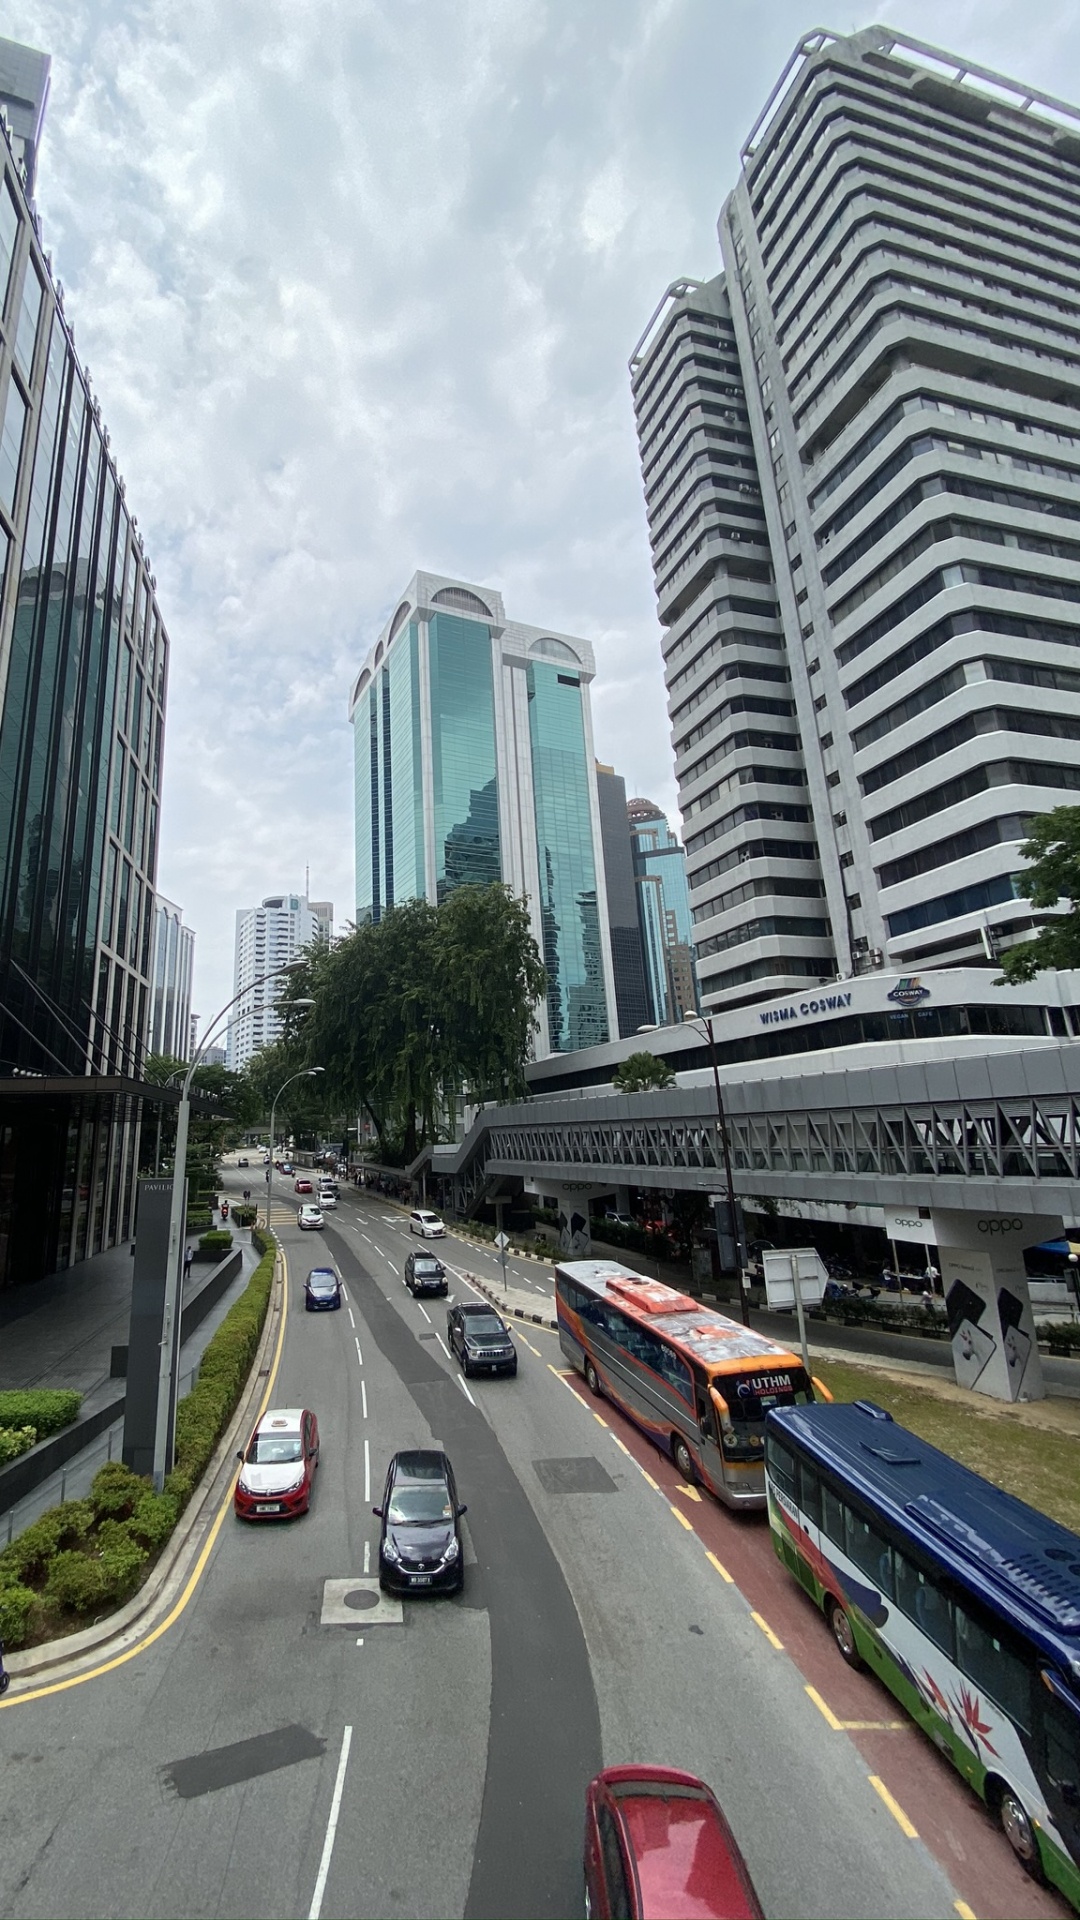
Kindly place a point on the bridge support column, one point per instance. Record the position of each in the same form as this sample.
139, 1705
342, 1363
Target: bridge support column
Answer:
989, 1306
575, 1239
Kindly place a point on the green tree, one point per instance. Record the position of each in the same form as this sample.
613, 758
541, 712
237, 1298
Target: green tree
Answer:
1053, 848
640, 1071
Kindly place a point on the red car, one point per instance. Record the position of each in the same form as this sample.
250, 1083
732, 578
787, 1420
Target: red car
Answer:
277, 1467
657, 1847
303, 1186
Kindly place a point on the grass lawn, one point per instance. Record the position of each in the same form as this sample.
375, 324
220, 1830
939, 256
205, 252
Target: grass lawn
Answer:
1032, 1451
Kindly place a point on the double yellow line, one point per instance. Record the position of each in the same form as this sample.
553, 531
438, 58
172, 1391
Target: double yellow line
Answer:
121, 1659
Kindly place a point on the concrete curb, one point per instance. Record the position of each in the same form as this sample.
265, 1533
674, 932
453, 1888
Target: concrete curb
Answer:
512, 1313
120, 1630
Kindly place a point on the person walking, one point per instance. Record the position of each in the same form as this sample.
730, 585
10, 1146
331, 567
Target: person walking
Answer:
189, 1255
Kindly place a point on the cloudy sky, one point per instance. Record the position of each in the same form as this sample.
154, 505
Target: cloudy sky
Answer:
357, 281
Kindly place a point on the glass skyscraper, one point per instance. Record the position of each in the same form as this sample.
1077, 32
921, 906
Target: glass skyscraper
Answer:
473, 742
83, 672
663, 899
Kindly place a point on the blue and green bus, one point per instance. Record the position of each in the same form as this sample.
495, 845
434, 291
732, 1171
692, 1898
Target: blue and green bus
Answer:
962, 1599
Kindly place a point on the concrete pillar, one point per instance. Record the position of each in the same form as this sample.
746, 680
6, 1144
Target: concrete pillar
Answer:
986, 1293
575, 1240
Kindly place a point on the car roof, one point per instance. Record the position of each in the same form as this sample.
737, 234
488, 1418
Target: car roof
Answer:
687, 1860
420, 1463
323, 1273
425, 1213
425, 1259
281, 1420
479, 1307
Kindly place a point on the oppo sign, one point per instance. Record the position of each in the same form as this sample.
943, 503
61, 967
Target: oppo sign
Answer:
1000, 1226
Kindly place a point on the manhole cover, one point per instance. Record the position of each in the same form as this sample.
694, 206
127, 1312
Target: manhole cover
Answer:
361, 1598
346, 1600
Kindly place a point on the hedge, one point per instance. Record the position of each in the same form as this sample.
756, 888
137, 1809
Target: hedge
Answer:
219, 1240
46, 1411
14, 1441
1061, 1333
87, 1556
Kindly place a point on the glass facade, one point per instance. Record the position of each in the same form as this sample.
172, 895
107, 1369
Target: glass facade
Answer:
665, 916
463, 777
569, 906
83, 668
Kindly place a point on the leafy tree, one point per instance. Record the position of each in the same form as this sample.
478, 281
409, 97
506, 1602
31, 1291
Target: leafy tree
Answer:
160, 1068
640, 1071
1053, 848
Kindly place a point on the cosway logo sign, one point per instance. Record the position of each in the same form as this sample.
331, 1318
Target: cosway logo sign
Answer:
908, 992
826, 1003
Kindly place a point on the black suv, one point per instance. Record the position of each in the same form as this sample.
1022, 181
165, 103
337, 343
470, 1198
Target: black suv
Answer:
420, 1544
480, 1338
425, 1274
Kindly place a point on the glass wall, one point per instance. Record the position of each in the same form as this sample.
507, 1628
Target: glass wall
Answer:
464, 792
569, 910
401, 676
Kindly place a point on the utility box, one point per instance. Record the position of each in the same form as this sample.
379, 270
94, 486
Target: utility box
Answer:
783, 1265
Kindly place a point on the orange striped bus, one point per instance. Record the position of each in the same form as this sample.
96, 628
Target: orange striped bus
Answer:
698, 1384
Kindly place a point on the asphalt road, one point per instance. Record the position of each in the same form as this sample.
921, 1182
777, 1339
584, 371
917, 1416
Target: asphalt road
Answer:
254, 1761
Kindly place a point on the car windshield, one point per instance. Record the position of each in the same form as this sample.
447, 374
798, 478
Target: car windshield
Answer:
274, 1449
322, 1283
412, 1504
426, 1266
485, 1326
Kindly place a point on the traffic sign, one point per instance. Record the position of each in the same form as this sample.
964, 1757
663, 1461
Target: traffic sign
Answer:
502, 1242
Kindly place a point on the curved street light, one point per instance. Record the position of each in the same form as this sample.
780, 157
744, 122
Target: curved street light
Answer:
305, 1072
170, 1316
702, 1023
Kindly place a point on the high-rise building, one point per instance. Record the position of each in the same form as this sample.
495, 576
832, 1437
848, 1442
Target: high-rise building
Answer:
170, 1001
474, 763
24, 92
663, 904
268, 937
83, 670
873, 416
632, 1003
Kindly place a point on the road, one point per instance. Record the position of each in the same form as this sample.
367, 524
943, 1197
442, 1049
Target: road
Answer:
253, 1760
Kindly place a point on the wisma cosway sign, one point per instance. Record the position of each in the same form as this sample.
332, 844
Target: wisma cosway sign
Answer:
806, 1009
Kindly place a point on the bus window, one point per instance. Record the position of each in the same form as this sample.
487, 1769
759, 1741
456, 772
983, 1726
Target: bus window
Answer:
832, 1516
810, 1493
993, 1667
870, 1551
920, 1600
781, 1465
676, 1372
1062, 1734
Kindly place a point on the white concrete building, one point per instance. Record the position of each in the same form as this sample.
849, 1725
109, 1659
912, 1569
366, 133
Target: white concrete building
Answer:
269, 936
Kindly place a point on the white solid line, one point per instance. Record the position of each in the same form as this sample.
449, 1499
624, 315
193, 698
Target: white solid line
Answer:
425, 1313
367, 1556
359, 1355
443, 1344
465, 1391
315, 1908
352, 1322
344, 1295
367, 1473
363, 1396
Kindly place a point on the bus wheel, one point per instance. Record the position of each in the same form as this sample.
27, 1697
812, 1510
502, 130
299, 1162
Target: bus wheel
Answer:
1019, 1832
684, 1460
592, 1378
842, 1633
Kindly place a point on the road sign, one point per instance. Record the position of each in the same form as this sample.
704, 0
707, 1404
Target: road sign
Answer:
502, 1242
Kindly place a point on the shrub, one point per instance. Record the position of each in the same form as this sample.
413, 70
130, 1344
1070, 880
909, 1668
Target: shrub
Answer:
116, 1491
219, 1240
45, 1410
153, 1519
16, 1440
16, 1603
31, 1552
75, 1581
244, 1215
1062, 1333
204, 1413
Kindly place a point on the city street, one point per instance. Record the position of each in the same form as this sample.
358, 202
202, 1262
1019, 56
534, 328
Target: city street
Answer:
254, 1760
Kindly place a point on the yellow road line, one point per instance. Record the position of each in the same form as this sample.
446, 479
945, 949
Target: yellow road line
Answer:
681, 1518
654, 1484
856, 1726
530, 1346
602, 1423
690, 1492
720, 1568
121, 1659
894, 1807
825, 1711
768, 1632
966, 1913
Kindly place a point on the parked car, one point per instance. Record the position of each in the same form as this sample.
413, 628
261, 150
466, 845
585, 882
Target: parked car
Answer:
480, 1338
427, 1225
309, 1217
322, 1290
657, 1846
277, 1467
424, 1273
303, 1184
420, 1542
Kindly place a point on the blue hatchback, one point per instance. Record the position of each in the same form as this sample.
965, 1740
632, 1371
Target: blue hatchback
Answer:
322, 1289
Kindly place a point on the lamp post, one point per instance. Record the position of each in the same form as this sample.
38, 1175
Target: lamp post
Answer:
703, 1024
170, 1316
304, 1073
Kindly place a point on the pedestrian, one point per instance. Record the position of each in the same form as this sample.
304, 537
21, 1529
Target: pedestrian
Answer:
5, 1678
189, 1255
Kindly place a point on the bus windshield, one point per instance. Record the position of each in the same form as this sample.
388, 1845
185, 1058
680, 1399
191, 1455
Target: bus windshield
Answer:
750, 1396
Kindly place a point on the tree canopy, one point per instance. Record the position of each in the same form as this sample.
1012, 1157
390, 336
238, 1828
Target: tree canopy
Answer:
1053, 848
640, 1071
425, 1005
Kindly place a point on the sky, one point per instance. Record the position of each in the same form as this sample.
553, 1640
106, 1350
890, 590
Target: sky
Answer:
357, 282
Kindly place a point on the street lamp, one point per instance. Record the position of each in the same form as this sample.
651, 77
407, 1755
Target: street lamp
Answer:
305, 1072
703, 1024
170, 1316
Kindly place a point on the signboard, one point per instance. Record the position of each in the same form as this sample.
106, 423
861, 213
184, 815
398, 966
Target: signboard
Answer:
783, 1265
906, 1223
988, 1303
502, 1242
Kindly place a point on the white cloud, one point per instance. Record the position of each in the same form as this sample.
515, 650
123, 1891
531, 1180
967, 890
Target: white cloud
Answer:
357, 281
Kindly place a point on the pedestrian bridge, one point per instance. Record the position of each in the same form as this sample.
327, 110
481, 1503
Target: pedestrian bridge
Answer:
996, 1132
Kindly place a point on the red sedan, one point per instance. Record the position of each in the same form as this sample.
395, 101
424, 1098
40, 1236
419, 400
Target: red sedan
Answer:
304, 1186
277, 1467
657, 1847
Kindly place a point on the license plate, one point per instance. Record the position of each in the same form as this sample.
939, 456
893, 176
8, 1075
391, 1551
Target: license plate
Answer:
420, 1579
494, 1366
269, 1506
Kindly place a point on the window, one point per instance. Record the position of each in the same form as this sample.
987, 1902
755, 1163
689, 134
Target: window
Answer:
11, 441
917, 1596
29, 311
781, 1465
614, 1868
809, 1493
994, 1667
832, 1516
9, 233
870, 1551
675, 1371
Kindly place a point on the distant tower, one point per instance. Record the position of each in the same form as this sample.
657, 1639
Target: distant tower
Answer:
266, 937
24, 92
664, 913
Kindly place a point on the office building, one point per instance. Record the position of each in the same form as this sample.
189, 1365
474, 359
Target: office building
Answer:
268, 937
24, 92
474, 763
83, 672
663, 904
170, 1000
633, 1007
861, 451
